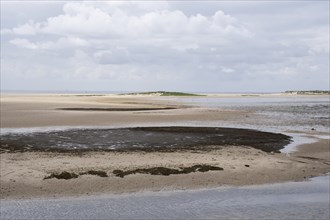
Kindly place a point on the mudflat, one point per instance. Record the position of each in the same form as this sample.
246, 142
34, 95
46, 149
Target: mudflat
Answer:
33, 172
147, 139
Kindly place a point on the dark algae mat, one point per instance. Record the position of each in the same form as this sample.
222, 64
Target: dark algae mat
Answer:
149, 139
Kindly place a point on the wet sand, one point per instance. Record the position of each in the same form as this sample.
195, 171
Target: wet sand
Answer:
28, 111
23, 173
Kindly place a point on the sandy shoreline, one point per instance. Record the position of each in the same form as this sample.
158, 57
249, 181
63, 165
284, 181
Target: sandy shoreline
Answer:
22, 174
44, 110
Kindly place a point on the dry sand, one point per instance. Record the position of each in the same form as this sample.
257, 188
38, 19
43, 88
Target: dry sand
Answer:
19, 111
21, 174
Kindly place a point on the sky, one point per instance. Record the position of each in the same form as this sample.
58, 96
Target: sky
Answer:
188, 46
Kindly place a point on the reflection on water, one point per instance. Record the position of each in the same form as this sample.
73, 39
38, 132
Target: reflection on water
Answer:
294, 200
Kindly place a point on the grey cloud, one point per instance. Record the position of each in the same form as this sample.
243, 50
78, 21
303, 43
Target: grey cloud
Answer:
200, 46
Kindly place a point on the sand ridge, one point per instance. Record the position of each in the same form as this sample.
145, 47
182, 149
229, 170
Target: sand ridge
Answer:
22, 174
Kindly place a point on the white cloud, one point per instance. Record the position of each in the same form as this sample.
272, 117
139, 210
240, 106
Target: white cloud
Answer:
158, 36
24, 43
84, 19
152, 43
61, 43
227, 70
319, 42
29, 28
135, 7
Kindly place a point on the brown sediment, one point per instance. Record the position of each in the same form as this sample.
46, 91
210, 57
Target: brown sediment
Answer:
319, 152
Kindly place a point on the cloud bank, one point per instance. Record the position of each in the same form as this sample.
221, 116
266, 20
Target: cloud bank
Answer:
128, 46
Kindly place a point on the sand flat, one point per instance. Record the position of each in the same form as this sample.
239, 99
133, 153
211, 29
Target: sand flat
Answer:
44, 111
22, 174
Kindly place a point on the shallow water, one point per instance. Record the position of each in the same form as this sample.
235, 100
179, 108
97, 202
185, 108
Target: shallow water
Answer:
276, 113
293, 200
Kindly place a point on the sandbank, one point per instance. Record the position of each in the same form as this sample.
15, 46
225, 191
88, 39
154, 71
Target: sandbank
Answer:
46, 110
22, 173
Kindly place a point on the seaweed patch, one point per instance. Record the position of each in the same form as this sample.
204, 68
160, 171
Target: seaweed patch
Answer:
167, 171
95, 172
67, 175
63, 175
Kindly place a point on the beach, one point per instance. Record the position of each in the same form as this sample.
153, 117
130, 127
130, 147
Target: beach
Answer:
23, 173
33, 111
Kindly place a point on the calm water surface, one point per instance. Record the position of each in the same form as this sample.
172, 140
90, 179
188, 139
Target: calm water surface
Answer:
276, 113
293, 200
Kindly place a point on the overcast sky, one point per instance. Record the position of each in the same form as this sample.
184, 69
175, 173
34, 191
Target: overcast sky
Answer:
219, 46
